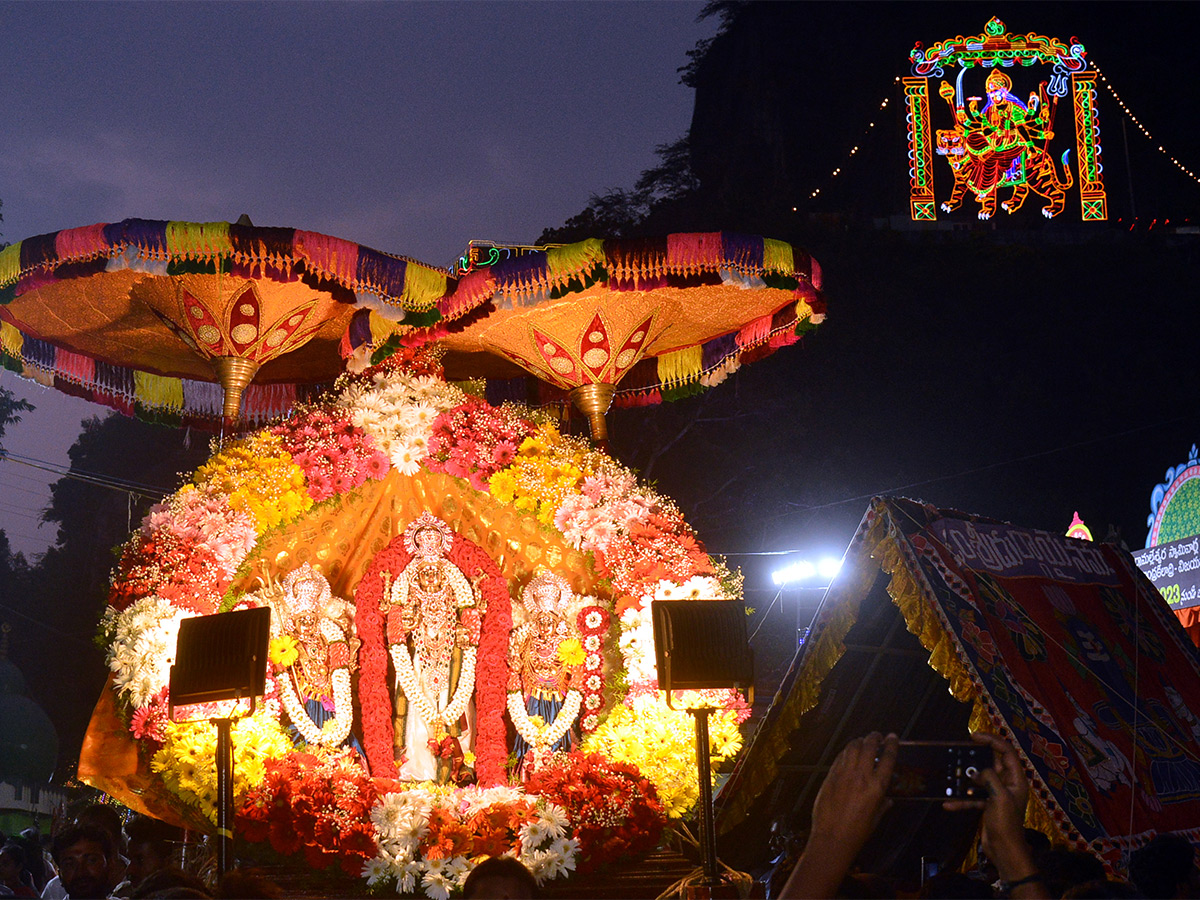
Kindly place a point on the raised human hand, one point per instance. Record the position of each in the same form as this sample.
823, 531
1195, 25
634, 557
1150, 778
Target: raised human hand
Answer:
1003, 831
848, 806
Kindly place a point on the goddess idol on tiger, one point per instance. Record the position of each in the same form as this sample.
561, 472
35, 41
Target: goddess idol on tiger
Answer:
994, 147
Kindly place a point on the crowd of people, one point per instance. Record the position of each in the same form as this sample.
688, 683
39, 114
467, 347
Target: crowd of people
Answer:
99, 856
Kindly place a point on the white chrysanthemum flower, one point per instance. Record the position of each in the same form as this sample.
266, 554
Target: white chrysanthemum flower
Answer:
143, 648
423, 415
457, 870
406, 877
555, 820
436, 882
538, 862
385, 816
376, 870
532, 834
698, 587
406, 458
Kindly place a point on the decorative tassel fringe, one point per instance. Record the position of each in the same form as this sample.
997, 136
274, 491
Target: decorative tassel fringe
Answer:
76, 244
472, 289
424, 288
262, 402
11, 340
743, 252
158, 391
778, 257
680, 366
754, 332
571, 261
10, 263
203, 398
688, 253
74, 367
147, 235
328, 256
380, 274
198, 240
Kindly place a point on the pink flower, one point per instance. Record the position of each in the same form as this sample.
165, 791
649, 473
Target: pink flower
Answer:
600, 535
319, 487
342, 483
504, 453
592, 488
377, 465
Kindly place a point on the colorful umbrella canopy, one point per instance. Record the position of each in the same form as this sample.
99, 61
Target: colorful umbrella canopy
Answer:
200, 321
169, 316
630, 320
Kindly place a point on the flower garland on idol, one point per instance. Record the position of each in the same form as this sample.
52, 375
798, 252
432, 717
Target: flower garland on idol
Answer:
190, 548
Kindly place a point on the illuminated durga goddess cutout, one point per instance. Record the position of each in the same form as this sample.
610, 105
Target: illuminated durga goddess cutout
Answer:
1002, 145
998, 140
433, 627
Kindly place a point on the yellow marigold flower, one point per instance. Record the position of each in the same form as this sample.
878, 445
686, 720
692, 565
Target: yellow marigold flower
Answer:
503, 485
570, 652
283, 650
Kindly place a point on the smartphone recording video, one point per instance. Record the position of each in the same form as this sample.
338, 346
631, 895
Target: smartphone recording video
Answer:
939, 770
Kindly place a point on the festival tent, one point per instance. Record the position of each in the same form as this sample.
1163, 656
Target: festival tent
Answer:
1061, 646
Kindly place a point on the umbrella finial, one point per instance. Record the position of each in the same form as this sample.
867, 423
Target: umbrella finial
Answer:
234, 373
593, 401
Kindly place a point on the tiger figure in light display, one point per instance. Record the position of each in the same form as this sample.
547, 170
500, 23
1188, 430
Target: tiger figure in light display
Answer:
1040, 175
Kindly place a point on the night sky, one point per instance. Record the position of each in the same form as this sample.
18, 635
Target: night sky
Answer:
408, 127
413, 128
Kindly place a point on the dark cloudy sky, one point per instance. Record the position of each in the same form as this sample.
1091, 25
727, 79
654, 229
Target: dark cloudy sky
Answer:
415, 127
409, 127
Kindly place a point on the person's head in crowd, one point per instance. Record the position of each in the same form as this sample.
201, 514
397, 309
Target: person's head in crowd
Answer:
168, 882
101, 815
104, 817
150, 844
83, 854
1166, 867
500, 877
13, 874
35, 862
1063, 869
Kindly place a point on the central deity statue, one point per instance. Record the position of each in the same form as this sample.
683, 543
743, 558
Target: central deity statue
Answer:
433, 620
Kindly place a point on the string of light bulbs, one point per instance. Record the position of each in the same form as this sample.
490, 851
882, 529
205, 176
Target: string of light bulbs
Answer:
1142, 128
854, 150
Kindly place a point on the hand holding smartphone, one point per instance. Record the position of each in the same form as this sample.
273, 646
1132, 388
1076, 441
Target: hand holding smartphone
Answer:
939, 770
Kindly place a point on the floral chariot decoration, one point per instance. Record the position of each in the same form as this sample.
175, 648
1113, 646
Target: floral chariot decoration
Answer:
461, 656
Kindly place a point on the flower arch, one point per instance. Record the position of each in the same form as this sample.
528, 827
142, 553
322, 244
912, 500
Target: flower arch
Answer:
334, 486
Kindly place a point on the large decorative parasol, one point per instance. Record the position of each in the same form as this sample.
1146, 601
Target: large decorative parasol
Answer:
625, 320
168, 316
206, 320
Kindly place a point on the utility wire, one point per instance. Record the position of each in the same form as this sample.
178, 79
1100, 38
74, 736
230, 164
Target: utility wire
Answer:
94, 478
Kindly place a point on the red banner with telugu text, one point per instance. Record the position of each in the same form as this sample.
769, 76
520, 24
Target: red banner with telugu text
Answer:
1083, 665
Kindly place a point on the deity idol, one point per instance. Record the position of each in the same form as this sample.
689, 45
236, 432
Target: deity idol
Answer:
433, 620
542, 702
315, 683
